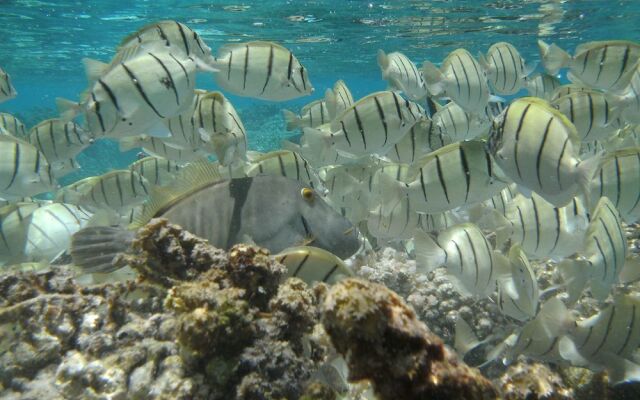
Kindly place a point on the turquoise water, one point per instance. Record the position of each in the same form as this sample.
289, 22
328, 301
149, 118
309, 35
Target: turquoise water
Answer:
42, 43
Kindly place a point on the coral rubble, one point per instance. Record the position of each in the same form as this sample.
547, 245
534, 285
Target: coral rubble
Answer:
383, 341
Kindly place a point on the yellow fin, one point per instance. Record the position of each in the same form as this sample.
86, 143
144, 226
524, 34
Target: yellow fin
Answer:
188, 180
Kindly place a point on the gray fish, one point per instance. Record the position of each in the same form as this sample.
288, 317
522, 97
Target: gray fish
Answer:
7, 91
272, 211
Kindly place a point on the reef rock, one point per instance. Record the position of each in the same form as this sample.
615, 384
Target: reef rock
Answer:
383, 342
533, 381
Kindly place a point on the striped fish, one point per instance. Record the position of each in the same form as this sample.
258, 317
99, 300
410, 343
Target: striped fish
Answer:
505, 68
49, 229
338, 99
311, 115
461, 78
59, 140
135, 96
13, 230
221, 128
539, 338
313, 264
434, 223
542, 86
458, 174
599, 65
608, 339
543, 230
593, 113
400, 223
468, 256
603, 256
172, 36
630, 97
7, 91
415, 144
402, 74
458, 124
567, 89
316, 156
500, 201
13, 125
262, 70
372, 125
285, 163
184, 133
118, 190
617, 179
518, 295
156, 170
158, 148
24, 170
537, 147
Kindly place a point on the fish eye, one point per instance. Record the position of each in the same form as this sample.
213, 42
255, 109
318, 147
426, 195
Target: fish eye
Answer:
307, 194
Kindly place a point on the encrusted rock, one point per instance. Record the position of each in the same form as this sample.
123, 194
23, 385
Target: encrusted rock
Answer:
383, 341
535, 381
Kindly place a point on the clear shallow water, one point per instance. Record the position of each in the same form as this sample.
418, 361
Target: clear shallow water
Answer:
42, 43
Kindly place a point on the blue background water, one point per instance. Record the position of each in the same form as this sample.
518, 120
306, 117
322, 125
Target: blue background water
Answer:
42, 44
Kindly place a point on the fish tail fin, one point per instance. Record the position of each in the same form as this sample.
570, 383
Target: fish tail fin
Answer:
383, 62
433, 78
553, 57
292, 120
94, 69
465, 340
630, 271
619, 369
287, 145
429, 255
575, 276
206, 66
93, 248
554, 317
568, 350
390, 191
68, 109
482, 60
316, 140
331, 102
586, 171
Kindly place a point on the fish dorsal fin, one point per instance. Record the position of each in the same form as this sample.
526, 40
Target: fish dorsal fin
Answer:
133, 37
189, 180
584, 47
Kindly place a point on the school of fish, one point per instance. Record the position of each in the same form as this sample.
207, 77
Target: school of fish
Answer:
437, 164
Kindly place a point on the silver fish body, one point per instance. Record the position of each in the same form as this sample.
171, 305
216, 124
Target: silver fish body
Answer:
262, 70
136, 95
402, 74
505, 68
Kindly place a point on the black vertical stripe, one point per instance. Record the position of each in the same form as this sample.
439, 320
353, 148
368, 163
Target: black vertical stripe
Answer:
299, 267
541, 151
629, 329
16, 164
441, 178
169, 76
382, 118
269, 68
517, 141
110, 93
140, 89
564, 148
625, 60
360, 128
246, 67
184, 38
466, 171
328, 274
186, 75
602, 61
346, 135
607, 331
229, 65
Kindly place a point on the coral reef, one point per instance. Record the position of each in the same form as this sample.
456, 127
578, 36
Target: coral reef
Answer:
383, 341
240, 333
433, 297
535, 381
